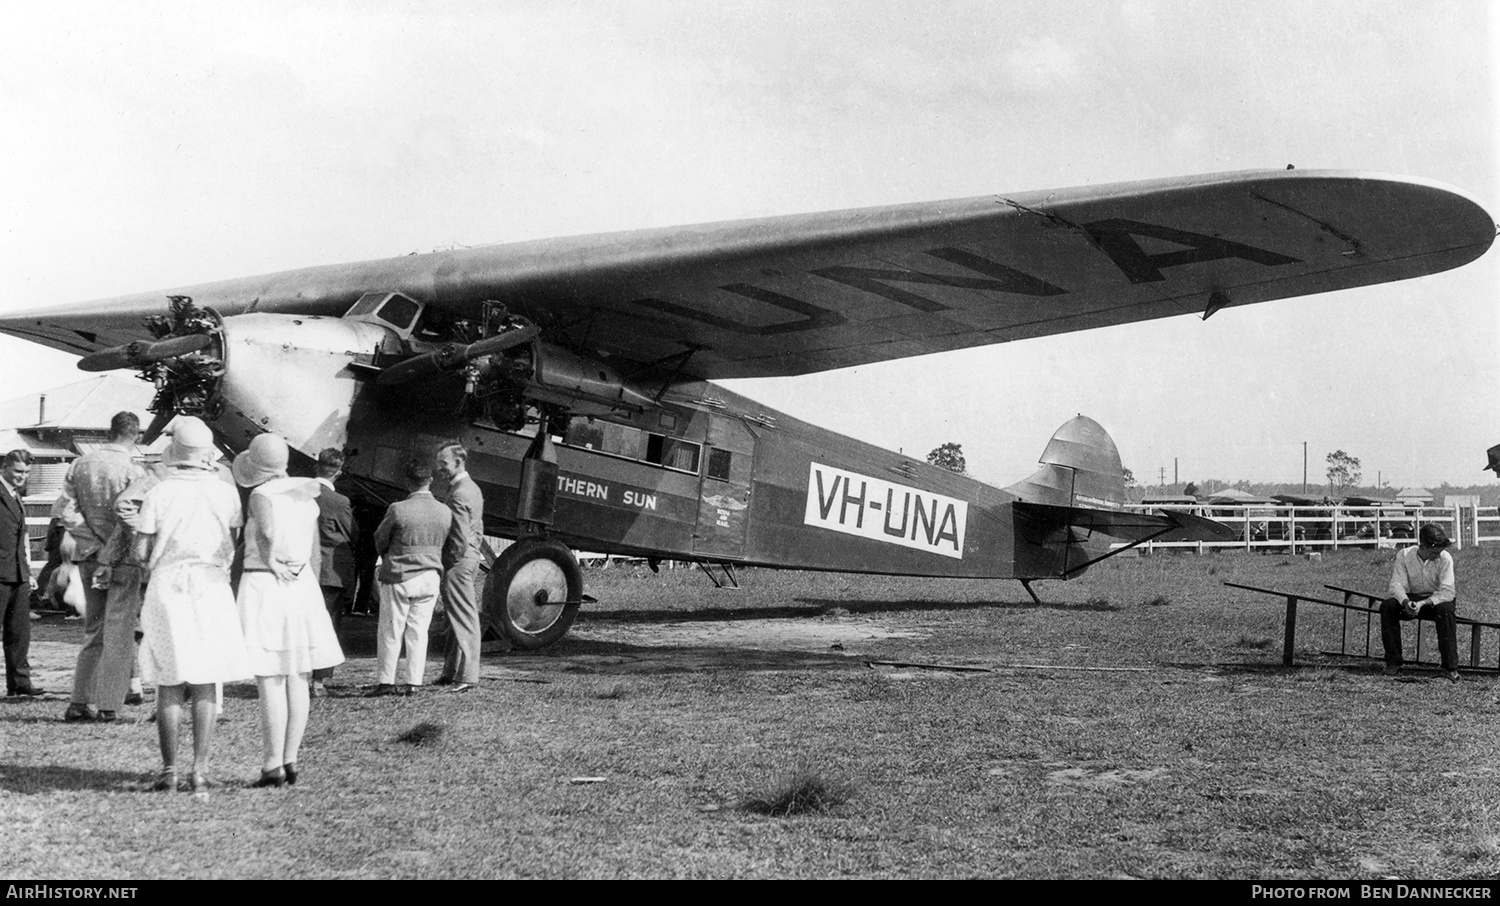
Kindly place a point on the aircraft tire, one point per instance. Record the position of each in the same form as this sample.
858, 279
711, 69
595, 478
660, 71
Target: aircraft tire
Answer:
525, 578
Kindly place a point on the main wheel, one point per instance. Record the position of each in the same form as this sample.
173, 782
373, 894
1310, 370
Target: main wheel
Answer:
533, 592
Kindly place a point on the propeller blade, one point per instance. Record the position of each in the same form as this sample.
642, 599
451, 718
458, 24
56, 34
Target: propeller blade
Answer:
134, 355
158, 424
451, 357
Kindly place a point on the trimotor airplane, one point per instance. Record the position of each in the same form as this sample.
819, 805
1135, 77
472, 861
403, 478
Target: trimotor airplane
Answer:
578, 371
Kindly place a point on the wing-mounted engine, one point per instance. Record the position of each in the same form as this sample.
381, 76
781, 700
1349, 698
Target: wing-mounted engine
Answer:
509, 371
184, 361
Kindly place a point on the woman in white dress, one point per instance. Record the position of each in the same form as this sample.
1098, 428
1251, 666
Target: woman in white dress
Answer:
191, 636
288, 634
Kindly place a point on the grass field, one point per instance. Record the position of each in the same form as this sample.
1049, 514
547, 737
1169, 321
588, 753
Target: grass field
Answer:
650, 741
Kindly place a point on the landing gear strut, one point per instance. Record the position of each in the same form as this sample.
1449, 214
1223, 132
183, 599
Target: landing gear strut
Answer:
535, 587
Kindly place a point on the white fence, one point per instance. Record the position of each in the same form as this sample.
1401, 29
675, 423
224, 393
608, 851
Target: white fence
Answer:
1486, 525
1301, 529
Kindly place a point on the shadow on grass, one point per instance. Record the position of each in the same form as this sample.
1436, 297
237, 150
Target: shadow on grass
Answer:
49, 778
1272, 668
813, 608
597, 657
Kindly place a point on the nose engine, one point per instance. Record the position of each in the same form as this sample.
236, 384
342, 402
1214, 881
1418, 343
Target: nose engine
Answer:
251, 373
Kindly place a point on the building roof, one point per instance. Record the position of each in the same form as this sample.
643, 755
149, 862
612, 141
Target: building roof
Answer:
1414, 494
11, 439
88, 404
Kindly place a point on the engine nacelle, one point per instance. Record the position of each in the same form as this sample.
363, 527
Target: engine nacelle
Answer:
584, 385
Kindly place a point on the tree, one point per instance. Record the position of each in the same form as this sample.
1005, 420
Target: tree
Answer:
950, 457
1191, 490
1343, 472
1129, 477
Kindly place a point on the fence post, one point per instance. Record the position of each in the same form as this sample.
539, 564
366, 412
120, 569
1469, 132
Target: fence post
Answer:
1291, 630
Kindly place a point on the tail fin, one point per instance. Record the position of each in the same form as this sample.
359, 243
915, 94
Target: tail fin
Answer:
1080, 468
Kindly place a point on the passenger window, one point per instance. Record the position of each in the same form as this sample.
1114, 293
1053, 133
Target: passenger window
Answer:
718, 464
632, 443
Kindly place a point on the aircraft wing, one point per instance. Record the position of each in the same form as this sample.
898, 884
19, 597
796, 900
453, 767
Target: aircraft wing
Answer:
806, 293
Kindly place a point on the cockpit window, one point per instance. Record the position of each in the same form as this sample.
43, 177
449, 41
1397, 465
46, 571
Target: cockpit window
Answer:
366, 305
393, 310
399, 312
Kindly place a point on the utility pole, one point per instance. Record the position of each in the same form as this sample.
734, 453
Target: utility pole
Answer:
1304, 468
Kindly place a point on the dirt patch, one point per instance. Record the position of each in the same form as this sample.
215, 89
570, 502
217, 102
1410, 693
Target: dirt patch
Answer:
782, 644
756, 634
1099, 780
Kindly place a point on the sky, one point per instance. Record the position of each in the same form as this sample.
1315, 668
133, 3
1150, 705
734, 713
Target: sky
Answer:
152, 145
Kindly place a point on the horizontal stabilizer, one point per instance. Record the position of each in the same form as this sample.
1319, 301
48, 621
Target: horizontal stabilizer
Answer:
1196, 528
1073, 528
1040, 521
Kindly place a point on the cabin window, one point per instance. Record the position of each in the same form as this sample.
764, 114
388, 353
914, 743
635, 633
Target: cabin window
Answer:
718, 464
673, 453
633, 443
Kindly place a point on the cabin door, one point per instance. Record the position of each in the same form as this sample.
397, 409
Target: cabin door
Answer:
724, 498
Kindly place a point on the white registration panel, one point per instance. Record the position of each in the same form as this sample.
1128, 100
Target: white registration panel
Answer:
885, 511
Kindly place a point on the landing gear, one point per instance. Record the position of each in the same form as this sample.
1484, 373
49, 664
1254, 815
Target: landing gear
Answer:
533, 592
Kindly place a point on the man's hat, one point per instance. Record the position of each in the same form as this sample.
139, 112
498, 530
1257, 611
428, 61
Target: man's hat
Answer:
1494, 463
1433, 536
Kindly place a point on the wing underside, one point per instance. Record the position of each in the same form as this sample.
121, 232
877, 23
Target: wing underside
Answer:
805, 293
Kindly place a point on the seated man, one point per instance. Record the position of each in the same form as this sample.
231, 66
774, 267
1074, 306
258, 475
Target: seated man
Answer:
1422, 587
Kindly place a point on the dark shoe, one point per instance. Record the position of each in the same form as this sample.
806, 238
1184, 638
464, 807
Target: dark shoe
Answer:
28, 691
290, 770
273, 778
444, 681
106, 717
1454, 676
78, 713
461, 687
166, 781
382, 689
404, 689
1391, 669
135, 698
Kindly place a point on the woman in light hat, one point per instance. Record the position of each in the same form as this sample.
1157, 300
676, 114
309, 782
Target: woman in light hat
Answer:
190, 627
287, 629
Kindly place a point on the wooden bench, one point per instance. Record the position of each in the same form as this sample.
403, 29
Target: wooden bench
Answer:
1370, 610
1373, 603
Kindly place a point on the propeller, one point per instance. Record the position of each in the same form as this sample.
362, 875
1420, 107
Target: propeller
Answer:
452, 356
136, 354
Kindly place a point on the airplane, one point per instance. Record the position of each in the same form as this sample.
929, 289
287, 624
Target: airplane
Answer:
580, 371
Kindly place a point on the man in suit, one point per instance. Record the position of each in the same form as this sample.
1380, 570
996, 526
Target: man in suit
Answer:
15, 574
460, 600
337, 531
414, 539
111, 590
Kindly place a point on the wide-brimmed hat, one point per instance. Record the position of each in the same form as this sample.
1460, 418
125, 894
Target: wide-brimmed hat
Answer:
263, 460
1433, 536
1494, 455
192, 444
